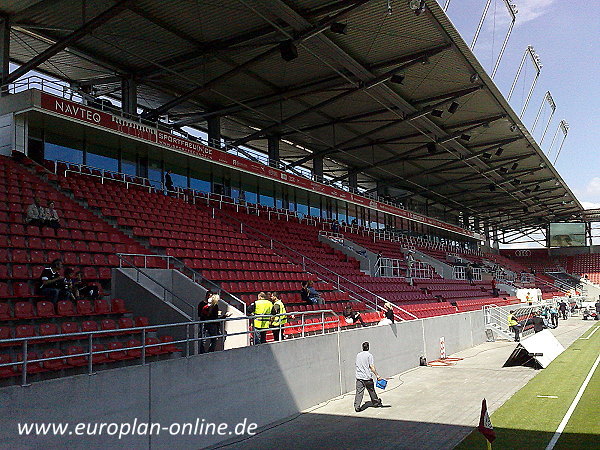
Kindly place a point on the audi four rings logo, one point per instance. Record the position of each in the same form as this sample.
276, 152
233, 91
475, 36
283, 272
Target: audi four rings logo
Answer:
522, 252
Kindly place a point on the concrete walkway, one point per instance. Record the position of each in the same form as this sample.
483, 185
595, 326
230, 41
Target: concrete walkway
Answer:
426, 407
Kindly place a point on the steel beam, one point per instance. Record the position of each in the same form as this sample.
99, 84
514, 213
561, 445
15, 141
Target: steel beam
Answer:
61, 44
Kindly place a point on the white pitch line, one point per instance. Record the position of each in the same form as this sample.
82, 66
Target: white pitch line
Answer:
591, 334
547, 396
569, 413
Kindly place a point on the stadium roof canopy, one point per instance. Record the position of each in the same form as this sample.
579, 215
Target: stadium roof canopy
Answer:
394, 98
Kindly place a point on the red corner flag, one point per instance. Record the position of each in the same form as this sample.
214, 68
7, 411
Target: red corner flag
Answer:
485, 424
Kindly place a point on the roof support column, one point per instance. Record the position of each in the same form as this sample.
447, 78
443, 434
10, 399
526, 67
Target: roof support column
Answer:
353, 181
318, 168
4, 53
273, 149
214, 131
129, 96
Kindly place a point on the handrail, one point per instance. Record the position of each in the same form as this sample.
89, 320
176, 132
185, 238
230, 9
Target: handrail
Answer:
165, 289
190, 338
270, 242
196, 276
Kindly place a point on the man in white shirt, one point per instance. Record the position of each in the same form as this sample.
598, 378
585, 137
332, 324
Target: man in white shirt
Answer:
365, 369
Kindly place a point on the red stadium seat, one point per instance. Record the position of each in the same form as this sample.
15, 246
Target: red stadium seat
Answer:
117, 354
21, 290
31, 367
6, 371
24, 310
76, 361
155, 350
136, 352
89, 325
54, 364
65, 308
24, 331
5, 313
45, 309
20, 272
169, 347
84, 308
118, 306
69, 328
126, 322
99, 358
48, 329
102, 306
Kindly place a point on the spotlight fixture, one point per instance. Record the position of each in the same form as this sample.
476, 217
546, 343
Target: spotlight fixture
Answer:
338, 28
542, 165
397, 78
514, 166
503, 170
418, 6
431, 148
492, 187
453, 107
486, 155
437, 113
513, 128
465, 137
499, 151
288, 50
556, 183
474, 78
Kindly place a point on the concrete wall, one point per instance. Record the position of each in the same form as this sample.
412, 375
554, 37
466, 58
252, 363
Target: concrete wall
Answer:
263, 383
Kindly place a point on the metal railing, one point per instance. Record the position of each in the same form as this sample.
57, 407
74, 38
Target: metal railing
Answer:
298, 329
125, 263
325, 273
174, 263
496, 319
460, 273
390, 268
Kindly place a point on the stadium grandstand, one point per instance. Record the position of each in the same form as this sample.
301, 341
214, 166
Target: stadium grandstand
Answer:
190, 148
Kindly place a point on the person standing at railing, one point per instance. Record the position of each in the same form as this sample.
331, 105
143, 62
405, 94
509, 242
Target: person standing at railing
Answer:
261, 307
514, 325
410, 262
202, 314
278, 321
214, 328
494, 287
168, 181
554, 316
469, 273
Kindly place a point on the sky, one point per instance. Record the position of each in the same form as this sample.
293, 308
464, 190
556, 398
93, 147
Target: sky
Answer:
566, 35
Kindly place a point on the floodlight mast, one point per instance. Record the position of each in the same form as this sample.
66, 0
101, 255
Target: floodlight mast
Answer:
512, 10
547, 99
537, 64
564, 127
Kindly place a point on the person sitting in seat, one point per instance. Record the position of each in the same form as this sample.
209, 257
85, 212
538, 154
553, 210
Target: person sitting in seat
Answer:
304, 293
35, 213
83, 289
313, 294
50, 216
352, 316
52, 283
69, 281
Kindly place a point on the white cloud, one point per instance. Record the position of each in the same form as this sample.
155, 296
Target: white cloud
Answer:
532, 9
590, 205
593, 187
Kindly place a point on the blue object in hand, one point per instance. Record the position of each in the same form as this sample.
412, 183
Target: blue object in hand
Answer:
381, 384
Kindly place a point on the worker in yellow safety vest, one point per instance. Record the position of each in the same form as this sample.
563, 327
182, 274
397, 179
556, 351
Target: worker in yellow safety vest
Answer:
278, 321
261, 307
514, 325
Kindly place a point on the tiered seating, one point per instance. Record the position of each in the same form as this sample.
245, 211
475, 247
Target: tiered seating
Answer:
219, 250
474, 305
584, 264
83, 240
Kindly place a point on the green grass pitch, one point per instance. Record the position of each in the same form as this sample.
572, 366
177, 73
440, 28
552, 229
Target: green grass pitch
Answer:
527, 421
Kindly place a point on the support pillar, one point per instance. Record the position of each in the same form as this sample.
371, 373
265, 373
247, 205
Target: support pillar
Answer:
273, 149
318, 168
353, 181
214, 131
4, 52
129, 96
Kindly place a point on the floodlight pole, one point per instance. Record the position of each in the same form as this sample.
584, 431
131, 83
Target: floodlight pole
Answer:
512, 10
483, 16
553, 107
535, 58
564, 127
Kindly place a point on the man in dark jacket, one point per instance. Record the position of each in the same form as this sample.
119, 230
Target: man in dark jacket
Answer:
562, 307
538, 322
